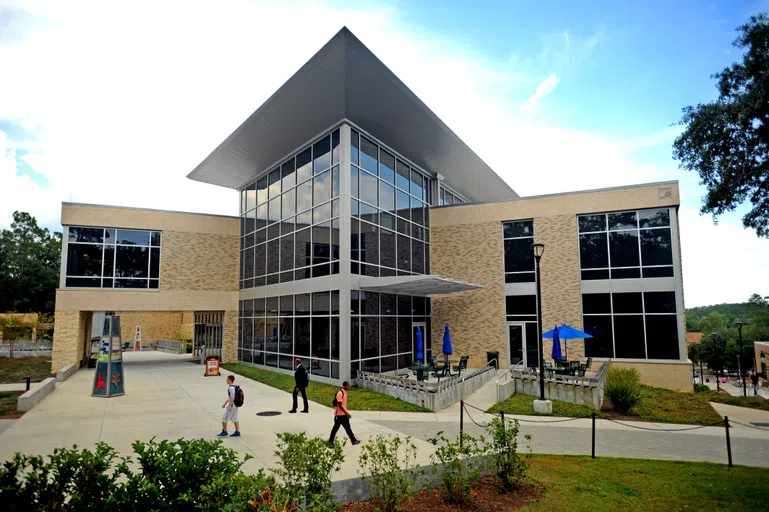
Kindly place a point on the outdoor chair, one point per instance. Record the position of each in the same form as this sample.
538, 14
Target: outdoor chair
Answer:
126, 345
433, 363
462, 365
441, 369
585, 367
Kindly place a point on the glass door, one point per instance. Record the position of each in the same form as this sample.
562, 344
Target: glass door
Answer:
516, 343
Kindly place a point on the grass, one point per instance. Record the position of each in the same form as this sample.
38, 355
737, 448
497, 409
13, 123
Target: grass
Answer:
524, 404
8, 401
13, 370
577, 483
752, 402
359, 399
667, 406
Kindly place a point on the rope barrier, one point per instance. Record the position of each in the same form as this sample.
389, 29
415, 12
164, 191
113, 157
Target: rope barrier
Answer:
471, 419
720, 422
749, 425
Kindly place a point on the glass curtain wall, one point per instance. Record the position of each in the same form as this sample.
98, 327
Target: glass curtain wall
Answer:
276, 330
382, 330
446, 197
290, 218
519, 256
390, 212
523, 308
112, 258
626, 245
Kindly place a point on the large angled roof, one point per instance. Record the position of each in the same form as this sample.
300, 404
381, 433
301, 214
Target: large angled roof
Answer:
344, 80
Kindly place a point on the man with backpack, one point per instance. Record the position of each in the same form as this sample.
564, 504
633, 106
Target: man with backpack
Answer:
342, 415
301, 381
231, 406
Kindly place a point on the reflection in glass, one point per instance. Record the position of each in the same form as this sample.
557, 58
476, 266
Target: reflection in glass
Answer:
387, 167
623, 248
593, 251
368, 189
84, 260
131, 261
368, 155
654, 218
625, 220
321, 153
304, 165
656, 247
589, 223
274, 183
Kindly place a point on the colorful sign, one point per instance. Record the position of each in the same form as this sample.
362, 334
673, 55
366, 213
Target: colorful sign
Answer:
108, 379
212, 367
138, 339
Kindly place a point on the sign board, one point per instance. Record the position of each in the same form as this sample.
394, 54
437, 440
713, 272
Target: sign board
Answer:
212, 367
138, 339
108, 378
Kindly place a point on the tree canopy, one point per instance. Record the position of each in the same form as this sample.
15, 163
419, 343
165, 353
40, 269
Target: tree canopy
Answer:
727, 141
29, 266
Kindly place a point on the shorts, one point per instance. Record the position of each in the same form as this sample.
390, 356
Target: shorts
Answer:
230, 414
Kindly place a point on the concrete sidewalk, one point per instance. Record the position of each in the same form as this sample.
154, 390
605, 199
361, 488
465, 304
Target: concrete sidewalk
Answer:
18, 386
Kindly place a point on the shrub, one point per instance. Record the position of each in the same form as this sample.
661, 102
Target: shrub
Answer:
461, 466
509, 467
305, 467
391, 478
623, 388
701, 388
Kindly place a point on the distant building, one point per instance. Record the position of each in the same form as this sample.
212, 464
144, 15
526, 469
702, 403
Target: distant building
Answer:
694, 337
364, 219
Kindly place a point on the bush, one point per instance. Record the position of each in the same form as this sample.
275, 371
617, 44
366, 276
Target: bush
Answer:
509, 467
701, 388
461, 466
623, 388
305, 468
171, 476
391, 478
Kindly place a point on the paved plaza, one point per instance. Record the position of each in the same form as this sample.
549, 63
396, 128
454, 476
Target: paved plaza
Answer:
168, 397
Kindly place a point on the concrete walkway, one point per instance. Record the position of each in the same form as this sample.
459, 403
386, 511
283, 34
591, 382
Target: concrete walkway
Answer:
18, 386
168, 397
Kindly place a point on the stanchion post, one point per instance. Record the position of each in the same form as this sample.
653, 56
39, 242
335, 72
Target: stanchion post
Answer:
728, 441
461, 421
593, 453
28, 379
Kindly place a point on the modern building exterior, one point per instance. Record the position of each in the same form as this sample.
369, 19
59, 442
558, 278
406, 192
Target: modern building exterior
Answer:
362, 219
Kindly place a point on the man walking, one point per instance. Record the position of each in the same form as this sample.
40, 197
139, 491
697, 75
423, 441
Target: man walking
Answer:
342, 415
230, 410
300, 384
754, 378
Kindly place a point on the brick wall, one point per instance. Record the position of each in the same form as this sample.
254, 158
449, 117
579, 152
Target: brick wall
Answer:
71, 338
155, 325
199, 261
674, 375
476, 319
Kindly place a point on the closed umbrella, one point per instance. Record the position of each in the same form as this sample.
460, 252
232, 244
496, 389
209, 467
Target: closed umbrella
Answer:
566, 332
420, 357
556, 345
447, 349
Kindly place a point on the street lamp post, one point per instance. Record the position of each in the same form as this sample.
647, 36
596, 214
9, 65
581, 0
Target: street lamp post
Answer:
739, 360
539, 249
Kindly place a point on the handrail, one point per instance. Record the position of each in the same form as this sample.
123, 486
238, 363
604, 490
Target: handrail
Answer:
509, 370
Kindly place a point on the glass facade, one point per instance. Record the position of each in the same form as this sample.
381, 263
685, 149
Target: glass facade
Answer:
383, 330
276, 330
446, 197
626, 245
519, 256
390, 212
634, 325
523, 309
290, 218
112, 258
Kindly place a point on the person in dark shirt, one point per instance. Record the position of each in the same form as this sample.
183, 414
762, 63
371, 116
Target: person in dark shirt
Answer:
754, 379
300, 385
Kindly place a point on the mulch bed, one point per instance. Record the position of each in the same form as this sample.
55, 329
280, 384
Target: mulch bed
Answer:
485, 498
8, 405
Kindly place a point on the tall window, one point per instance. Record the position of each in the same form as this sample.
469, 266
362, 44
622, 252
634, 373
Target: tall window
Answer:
382, 330
626, 245
290, 218
112, 258
446, 197
390, 213
637, 325
276, 330
519, 256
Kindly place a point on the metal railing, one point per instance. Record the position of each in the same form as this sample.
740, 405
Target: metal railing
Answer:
426, 387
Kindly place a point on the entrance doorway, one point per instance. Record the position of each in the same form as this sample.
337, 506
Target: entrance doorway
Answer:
207, 337
414, 327
522, 344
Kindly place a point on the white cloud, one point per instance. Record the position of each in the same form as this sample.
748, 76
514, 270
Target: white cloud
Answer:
126, 100
532, 106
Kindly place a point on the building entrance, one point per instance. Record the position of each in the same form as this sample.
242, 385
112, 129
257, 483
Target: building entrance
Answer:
207, 337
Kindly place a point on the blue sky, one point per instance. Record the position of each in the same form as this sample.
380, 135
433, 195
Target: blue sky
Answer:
554, 95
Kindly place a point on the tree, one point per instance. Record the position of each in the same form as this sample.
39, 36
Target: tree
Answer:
727, 142
29, 266
715, 321
713, 351
694, 352
692, 323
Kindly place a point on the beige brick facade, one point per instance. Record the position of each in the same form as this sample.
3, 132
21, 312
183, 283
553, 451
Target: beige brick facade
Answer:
198, 272
466, 244
70, 338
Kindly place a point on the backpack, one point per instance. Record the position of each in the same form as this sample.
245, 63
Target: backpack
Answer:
335, 402
239, 397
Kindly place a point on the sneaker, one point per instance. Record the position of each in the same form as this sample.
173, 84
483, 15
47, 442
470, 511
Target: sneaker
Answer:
235, 434
223, 433
292, 411
355, 442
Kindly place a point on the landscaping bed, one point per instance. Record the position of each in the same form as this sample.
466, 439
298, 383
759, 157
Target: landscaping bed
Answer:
486, 496
14, 370
524, 405
359, 399
8, 400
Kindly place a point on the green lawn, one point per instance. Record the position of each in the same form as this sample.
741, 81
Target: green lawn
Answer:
13, 370
752, 402
577, 483
358, 400
524, 404
8, 400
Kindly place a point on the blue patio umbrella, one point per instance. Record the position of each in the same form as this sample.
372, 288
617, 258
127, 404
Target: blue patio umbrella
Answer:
556, 345
420, 356
447, 349
566, 332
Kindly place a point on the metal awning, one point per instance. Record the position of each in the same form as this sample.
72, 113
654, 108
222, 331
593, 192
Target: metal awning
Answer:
415, 285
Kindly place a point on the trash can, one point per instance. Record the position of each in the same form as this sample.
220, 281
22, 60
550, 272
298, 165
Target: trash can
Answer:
492, 357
